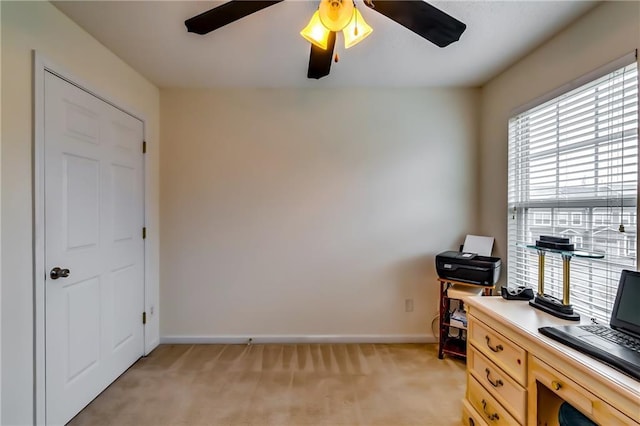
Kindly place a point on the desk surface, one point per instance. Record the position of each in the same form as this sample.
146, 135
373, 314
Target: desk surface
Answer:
513, 316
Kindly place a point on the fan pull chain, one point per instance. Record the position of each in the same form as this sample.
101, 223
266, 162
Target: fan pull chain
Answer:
336, 58
355, 17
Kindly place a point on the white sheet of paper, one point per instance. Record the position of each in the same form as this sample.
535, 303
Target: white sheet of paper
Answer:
478, 244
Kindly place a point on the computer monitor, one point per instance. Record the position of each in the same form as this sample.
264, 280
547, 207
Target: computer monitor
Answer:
626, 315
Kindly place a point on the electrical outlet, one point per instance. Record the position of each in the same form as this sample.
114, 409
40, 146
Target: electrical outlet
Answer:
408, 305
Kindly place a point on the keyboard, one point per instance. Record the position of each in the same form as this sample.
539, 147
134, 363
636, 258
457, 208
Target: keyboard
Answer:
613, 336
617, 356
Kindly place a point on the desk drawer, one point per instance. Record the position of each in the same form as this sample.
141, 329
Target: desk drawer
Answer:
576, 395
487, 406
501, 386
501, 351
469, 415
606, 414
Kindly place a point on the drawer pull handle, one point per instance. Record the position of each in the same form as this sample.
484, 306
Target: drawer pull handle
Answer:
490, 416
493, 348
471, 422
495, 384
556, 385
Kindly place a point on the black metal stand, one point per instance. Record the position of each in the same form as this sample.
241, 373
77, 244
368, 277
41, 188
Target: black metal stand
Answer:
554, 306
456, 346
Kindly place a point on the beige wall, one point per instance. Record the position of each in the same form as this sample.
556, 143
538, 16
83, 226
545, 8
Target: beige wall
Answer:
38, 25
292, 213
0, 222
606, 33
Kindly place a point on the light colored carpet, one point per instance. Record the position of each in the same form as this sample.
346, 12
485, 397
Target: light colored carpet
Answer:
274, 384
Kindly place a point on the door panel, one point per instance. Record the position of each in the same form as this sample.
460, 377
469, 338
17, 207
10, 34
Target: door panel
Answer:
122, 187
83, 322
94, 214
125, 315
81, 123
80, 196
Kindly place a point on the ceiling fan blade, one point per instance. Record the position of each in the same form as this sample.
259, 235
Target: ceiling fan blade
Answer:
423, 19
320, 60
225, 14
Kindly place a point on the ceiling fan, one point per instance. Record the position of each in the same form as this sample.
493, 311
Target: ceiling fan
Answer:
422, 18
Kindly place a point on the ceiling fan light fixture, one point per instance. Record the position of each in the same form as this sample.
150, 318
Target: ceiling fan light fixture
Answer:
427, 21
336, 14
315, 32
356, 31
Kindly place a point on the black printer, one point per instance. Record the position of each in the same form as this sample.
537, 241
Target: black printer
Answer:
468, 267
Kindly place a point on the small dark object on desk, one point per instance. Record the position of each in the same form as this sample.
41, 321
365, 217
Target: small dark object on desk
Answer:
518, 293
552, 239
554, 306
555, 246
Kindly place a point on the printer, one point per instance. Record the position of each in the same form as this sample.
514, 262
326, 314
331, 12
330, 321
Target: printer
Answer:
468, 267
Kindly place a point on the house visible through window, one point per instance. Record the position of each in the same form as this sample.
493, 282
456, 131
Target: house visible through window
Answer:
573, 172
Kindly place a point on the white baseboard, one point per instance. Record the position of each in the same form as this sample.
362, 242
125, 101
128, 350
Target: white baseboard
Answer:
317, 338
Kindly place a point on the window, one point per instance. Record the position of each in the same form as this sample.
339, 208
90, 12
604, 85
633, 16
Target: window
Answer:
543, 217
562, 218
576, 219
573, 172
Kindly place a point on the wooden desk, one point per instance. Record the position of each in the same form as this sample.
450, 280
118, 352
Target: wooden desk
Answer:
515, 375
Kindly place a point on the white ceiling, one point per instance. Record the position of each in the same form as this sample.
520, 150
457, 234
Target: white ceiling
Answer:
266, 50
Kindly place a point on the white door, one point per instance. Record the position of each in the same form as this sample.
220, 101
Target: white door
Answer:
94, 208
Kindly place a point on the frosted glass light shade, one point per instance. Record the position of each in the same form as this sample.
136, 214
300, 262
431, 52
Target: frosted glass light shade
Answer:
356, 31
336, 14
315, 32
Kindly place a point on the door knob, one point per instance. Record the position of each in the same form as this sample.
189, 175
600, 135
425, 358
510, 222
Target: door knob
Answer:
59, 273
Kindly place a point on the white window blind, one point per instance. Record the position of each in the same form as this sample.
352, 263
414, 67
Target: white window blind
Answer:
573, 172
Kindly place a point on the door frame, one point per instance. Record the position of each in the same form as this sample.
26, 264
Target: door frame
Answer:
41, 65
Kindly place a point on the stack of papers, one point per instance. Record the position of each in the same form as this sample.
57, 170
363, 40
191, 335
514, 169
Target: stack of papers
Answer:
478, 244
462, 291
458, 318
